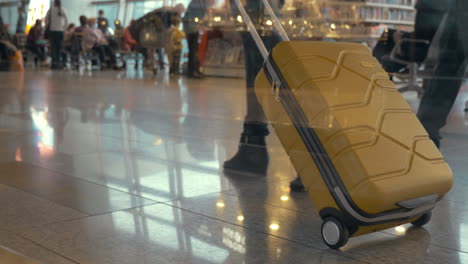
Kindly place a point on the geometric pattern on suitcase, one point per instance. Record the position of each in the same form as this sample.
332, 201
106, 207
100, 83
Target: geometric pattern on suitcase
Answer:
376, 143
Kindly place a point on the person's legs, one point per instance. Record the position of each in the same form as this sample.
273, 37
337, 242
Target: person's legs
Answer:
43, 54
109, 51
160, 52
175, 61
59, 46
192, 41
55, 45
252, 156
152, 62
36, 51
441, 91
101, 53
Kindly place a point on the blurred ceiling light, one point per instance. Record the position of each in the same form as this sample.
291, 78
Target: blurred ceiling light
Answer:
240, 218
220, 204
290, 22
197, 20
239, 18
333, 26
274, 226
158, 141
284, 198
217, 18
305, 22
269, 22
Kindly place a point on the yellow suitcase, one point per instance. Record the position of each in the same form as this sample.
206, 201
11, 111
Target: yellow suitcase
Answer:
365, 159
362, 154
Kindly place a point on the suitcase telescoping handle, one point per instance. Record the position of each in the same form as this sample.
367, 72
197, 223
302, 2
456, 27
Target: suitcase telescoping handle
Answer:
253, 30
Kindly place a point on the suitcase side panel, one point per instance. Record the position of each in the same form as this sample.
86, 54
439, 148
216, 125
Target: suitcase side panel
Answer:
357, 96
294, 146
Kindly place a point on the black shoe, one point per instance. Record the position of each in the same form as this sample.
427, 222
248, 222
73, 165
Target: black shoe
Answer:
252, 156
297, 186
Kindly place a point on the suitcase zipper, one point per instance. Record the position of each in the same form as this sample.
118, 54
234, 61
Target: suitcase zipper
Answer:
283, 93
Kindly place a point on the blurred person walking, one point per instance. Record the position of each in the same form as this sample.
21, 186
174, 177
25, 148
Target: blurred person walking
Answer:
196, 11
448, 57
57, 22
252, 156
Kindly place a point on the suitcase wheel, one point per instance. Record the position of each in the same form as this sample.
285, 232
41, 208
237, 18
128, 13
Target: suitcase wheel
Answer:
423, 220
334, 233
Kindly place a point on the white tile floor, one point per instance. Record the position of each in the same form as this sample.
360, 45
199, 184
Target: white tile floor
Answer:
114, 167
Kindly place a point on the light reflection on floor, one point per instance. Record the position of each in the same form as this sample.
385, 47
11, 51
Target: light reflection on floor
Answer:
125, 168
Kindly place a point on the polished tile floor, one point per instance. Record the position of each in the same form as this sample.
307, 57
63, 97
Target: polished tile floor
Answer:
122, 167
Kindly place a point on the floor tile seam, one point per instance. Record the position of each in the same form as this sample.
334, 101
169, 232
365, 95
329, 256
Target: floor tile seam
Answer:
268, 234
121, 210
159, 134
431, 243
94, 183
46, 248
190, 197
93, 131
43, 198
275, 205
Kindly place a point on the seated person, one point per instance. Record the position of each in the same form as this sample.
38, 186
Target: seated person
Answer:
36, 42
7, 48
94, 39
68, 41
130, 44
119, 29
83, 25
69, 34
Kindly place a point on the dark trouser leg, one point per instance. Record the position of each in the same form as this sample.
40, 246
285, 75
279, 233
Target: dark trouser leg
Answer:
160, 53
252, 155
438, 99
175, 60
56, 47
192, 41
101, 53
35, 50
110, 54
442, 90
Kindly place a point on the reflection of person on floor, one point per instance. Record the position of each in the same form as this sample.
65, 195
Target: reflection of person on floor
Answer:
449, 60
93, 38
196, 11
252, 156
174, 46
